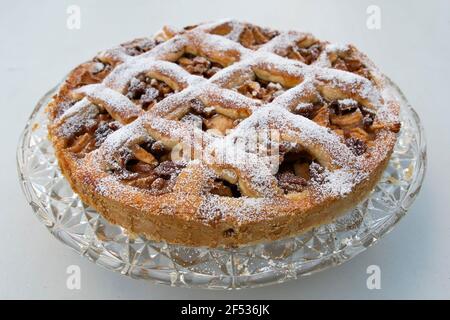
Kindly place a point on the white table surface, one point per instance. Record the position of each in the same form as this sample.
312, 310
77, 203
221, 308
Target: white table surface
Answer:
412, 47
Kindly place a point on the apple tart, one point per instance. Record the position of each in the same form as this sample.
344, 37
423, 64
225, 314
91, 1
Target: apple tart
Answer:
223, 133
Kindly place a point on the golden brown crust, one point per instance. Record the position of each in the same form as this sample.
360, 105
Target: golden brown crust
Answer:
117, 120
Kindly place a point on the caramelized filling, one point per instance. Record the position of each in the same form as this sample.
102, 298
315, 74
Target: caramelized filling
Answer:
208, 119
351, 64
297, 169
146, 91
91, 72
225, 189
90, 138
149, 166
139, 46
294, 173
304, 52
347, 118
198, 65
253, 37
260, 89
104, 129
97, 69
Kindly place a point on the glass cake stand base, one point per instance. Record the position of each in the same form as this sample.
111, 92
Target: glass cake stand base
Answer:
84, 230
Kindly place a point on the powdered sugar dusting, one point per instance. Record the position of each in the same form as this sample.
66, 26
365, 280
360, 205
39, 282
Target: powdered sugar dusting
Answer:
119, 78
337, 183
214, 43
215, 207
127, 135
81, 115
284, 40
356, 85
302, 130
119, 106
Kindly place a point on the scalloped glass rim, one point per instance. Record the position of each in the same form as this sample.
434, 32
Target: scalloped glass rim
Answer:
109, 246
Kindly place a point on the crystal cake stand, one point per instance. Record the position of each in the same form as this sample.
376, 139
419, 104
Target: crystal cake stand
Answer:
85, 231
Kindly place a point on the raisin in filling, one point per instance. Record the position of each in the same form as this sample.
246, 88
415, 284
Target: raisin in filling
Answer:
351, 64
198, 65
139, 46
89, 138
146, 91
298, 169
149, 166
306, 54
353, 122
347, 118
293, 174
208, 119
104, 130
260, 89
253, 37
223, 188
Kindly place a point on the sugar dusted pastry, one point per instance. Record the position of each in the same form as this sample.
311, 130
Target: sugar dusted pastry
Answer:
150, 133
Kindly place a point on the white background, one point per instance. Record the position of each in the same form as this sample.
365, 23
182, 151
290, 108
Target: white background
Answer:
412, 47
